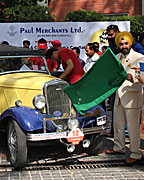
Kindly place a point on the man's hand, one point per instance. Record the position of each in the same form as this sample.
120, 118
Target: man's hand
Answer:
136, 68
68, 69
140, 78
130, 77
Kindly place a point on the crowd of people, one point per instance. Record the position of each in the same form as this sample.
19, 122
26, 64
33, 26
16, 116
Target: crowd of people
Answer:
69, 60
126, 102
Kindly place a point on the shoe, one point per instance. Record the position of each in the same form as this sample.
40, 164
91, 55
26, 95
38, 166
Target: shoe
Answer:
111, 151
131, 160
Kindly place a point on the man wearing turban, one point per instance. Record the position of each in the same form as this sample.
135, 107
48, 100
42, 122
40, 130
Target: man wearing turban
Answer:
128, 101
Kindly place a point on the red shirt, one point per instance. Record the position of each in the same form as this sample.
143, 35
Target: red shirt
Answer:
37, 61
77, 72
51, 64
99, 53
40, 62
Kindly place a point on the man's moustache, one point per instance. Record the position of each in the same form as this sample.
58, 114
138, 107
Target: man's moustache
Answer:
124, 49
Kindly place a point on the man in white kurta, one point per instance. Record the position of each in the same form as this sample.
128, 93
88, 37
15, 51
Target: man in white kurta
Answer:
90, 51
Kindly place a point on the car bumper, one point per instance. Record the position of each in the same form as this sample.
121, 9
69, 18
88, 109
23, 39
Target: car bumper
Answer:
61, 135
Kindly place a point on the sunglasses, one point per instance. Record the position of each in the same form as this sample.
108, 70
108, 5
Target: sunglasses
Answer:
110, 34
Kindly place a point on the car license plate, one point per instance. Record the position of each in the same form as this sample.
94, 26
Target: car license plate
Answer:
101, 120
75, 136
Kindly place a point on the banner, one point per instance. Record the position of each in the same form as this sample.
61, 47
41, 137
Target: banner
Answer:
70, 34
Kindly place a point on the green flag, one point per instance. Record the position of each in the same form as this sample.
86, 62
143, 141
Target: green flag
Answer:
102, 80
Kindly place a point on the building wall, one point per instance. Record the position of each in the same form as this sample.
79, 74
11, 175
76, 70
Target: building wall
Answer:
142, 7
60, 8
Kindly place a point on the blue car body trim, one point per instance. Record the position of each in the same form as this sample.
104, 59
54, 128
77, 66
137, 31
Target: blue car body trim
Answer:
28, 118
31, 119
85, 121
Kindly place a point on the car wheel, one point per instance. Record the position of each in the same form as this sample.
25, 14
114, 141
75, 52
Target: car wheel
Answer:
96, 144
16, 144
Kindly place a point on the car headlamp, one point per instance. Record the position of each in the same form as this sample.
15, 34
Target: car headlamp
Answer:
18, 103
73, 123
39, 101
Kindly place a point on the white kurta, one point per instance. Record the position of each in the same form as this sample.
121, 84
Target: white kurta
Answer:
90, 62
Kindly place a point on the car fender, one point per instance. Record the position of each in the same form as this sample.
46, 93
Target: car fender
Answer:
28, 118
90, 116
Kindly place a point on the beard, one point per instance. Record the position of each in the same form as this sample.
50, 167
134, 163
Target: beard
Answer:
125, 51
111, 41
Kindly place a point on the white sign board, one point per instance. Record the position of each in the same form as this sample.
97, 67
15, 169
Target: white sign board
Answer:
70, 34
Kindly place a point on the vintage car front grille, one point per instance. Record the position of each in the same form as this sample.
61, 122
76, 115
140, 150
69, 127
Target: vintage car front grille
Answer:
58, 103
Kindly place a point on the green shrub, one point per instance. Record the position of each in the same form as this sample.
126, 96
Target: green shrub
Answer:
84, 16
136, 22
34, 13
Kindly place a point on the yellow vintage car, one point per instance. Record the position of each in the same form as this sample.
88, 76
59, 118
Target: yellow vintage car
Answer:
34, 108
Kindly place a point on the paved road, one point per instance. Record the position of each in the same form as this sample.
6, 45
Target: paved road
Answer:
46, 165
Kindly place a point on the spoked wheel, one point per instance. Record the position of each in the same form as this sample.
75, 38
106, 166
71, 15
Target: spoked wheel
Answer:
17, 145
96, 144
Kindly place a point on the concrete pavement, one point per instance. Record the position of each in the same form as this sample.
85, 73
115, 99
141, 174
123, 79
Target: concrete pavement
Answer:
80, 166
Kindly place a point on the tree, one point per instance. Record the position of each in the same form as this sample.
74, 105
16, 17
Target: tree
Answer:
12, 3
82, 15
25, 11
2, 10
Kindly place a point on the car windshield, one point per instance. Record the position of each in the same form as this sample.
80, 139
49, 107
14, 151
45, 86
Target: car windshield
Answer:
22, 63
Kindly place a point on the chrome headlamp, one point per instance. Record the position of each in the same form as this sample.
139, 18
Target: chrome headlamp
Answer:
18, 103
39, 101
73, 123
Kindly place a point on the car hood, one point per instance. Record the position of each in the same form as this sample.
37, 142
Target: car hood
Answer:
32, 80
